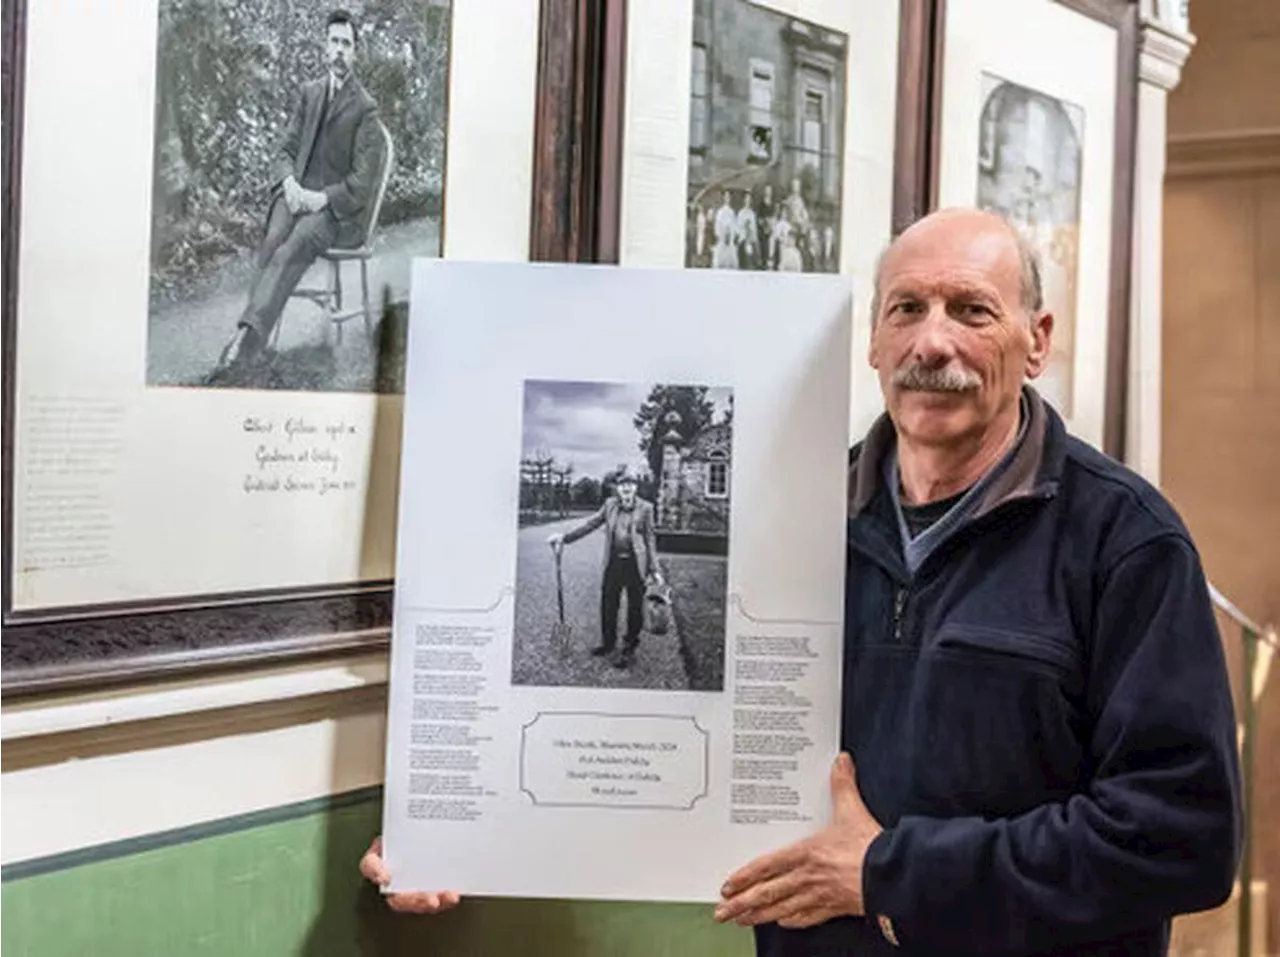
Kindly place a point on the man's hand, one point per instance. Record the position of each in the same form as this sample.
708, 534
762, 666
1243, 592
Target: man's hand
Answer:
419, 902
815, 879
314, 200
292, 194
556, 541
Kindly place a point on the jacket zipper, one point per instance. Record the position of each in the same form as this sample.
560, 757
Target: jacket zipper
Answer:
899, 604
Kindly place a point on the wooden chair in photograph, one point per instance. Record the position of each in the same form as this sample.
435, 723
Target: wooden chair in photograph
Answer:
330, 296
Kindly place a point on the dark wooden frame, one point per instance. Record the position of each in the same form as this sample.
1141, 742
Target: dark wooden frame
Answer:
578, 134
578, 122
914, 140
1122, 15
915, 163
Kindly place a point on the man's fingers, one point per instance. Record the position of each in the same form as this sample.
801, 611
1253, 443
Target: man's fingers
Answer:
844, 788
423, 902
763, 868
418, 902
787, 908
372, 866
846, 800
767, 897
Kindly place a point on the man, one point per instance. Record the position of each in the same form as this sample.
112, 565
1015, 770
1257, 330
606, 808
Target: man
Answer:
630, 558
724, 254
1034, 689
325, 178
1034, 694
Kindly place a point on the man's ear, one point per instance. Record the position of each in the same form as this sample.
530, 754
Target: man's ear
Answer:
1041, 338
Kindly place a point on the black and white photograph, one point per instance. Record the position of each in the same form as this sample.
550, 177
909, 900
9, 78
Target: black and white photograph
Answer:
766, 140
298, 167
621, 567
1029, 162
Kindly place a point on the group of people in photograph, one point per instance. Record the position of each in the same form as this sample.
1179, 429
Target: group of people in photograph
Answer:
747, 228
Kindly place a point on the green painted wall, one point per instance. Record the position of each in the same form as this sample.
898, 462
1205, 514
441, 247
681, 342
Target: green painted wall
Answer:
290, 887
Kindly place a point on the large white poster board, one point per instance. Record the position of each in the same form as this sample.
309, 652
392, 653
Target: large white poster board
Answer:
524, 755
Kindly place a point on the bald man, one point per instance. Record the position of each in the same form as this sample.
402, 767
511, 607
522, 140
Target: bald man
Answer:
1035, 694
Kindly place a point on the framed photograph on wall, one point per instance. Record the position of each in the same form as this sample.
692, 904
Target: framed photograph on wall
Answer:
209, 226
759, 135
1043, 132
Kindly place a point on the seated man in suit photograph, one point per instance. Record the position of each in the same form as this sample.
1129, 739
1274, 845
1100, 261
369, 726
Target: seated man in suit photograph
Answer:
630, 559
322, 191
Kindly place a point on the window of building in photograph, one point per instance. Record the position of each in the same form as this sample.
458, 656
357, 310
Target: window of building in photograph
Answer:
717, 476
699, 108
811, 128
760, 130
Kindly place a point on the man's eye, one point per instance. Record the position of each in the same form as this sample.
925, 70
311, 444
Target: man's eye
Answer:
973, 311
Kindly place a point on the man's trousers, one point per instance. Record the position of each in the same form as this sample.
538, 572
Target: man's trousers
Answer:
291, 244
621, 574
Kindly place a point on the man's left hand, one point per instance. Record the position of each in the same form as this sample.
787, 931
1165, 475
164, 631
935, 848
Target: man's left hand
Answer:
815, 879
314, 200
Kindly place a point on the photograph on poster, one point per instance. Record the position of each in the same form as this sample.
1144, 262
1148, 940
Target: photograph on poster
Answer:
621, 563
1030, 148
298, 167
766, 140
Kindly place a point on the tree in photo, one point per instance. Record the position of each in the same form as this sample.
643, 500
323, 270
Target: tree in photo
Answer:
693, 413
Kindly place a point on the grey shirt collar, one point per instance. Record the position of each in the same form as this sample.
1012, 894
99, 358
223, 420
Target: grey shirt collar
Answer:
916, 550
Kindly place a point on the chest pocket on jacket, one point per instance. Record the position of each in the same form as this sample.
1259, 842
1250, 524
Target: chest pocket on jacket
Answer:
1049, 656
998, 719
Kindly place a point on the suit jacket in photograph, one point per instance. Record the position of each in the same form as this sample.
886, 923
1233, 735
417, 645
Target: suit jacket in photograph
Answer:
343, 156
644, 537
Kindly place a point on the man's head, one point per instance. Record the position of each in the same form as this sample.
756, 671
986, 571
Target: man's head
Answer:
958, 324
627, 482
340, 49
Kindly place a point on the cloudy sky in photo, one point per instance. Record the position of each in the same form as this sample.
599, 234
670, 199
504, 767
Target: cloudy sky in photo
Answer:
590, 424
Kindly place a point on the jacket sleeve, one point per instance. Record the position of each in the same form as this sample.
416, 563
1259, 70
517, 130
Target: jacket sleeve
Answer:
651, 540
587, 527
287, 153
354, 191
1155, 832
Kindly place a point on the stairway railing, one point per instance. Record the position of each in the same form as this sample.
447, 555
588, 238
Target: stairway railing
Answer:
1257, 646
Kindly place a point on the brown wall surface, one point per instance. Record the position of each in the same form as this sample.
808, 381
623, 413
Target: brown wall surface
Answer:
1221, 372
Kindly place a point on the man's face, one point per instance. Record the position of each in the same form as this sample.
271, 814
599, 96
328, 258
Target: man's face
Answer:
952, 342
341, 49
627, 492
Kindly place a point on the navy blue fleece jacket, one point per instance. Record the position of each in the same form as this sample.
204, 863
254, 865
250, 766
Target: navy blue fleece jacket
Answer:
1040, 717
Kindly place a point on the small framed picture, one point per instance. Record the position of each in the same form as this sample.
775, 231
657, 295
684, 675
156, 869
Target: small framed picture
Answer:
1043, 133
758, 135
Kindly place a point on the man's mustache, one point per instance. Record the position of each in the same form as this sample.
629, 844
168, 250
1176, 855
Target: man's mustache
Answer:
919, 377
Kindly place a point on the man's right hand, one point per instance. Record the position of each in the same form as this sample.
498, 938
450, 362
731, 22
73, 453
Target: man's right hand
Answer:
292, 194
374, 869
556, 541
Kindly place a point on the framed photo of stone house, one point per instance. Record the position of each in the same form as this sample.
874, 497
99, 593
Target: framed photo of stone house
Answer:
1043, 133
761, 135
208, 224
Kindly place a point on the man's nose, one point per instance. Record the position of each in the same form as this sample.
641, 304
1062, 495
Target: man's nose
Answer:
934, 342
